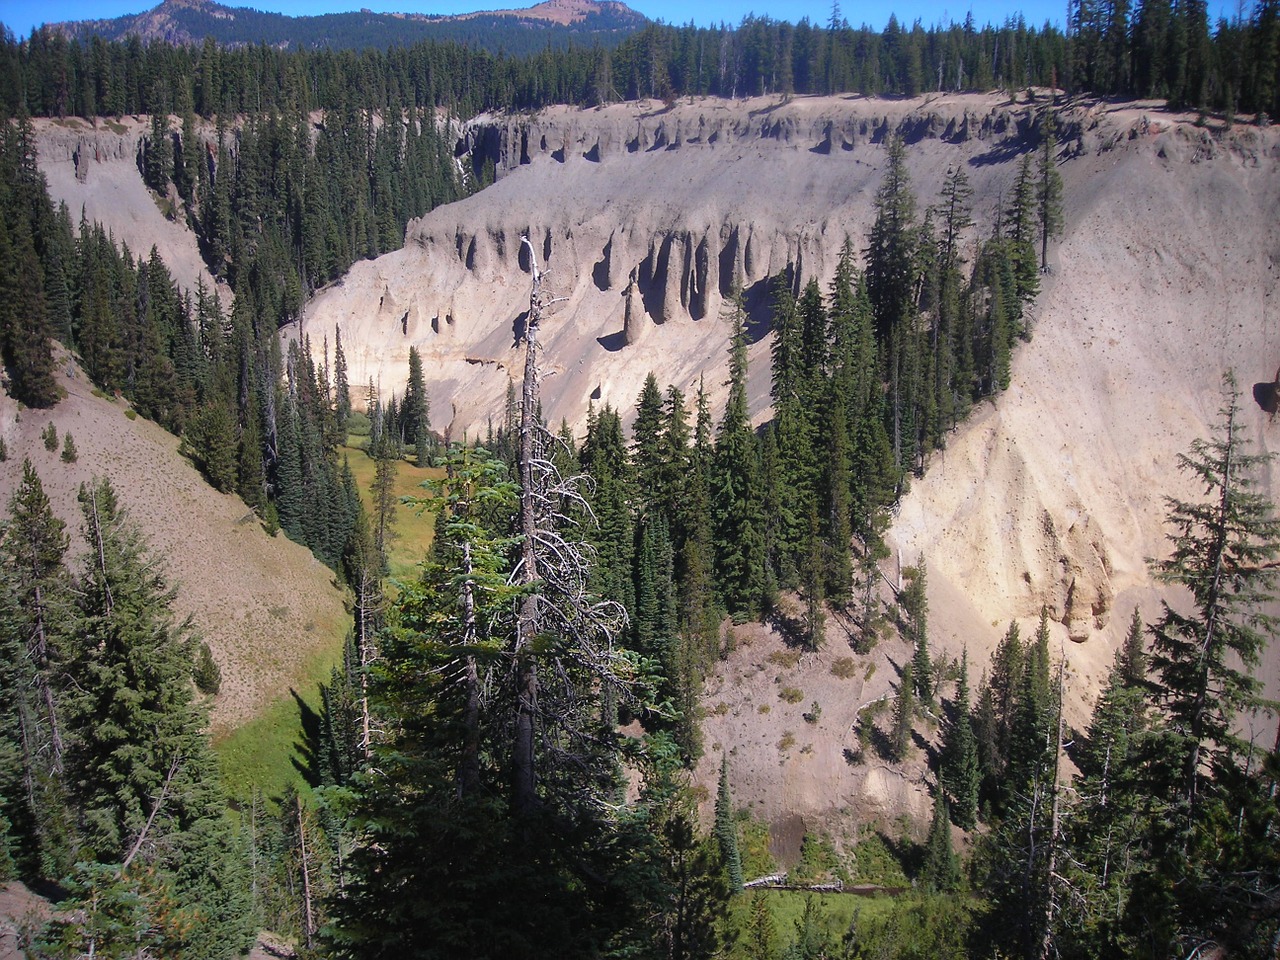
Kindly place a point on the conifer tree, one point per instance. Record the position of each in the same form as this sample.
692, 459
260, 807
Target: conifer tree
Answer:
1048, 188
904, 715
1108, 821
33, 623
1223, 552
727, 830
646, 451
145, 785
736, 490
960, 773
341, 386
891, 260
915, 604
415, 413
941, 872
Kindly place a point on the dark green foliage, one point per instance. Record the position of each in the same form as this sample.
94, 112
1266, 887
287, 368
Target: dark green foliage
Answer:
813, 939
1048, 188
1202, 662
736, 489
149, 773
34, 630
940, 871
436, 811
929, 927
69, 454
604, 459
726, 831
207, 674
1110, 815
904, 714
26, 228
761, 939
960, 774
695, 896
50, 436
210, 439
915, 605
415, 422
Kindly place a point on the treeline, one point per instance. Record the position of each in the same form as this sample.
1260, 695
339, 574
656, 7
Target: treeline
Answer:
1157, 49
515, 35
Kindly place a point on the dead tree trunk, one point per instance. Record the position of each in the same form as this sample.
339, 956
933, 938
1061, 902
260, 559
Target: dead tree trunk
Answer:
308, 920
469, 768
524, 788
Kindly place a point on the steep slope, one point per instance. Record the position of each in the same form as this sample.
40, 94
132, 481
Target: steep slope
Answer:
1054, 495
94, 170
266, 606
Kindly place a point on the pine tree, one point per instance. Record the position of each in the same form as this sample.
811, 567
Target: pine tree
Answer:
736, 488
762, 935
1048, 188
33, 617
940, 870
960, 773
915, 604
903, 715
341, 386
145, 784
726, 830
891, 276
415, 414
1109, 821
646, 448
1223, 552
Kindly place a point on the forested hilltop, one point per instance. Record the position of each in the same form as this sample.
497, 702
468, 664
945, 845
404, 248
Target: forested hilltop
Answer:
517, 33
1155, 49
509, 759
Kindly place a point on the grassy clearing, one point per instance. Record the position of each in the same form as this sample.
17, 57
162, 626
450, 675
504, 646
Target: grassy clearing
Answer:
266, 754
412, 529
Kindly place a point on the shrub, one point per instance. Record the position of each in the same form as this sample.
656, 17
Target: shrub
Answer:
207, 674
787, 742
819, 861
69, 449
876, 862
131, 413
753, 843
846, 668
4, 451
814, 714
784, 658
791, 694
50, 436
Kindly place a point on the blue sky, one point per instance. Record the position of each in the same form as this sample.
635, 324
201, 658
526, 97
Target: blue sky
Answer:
21, 16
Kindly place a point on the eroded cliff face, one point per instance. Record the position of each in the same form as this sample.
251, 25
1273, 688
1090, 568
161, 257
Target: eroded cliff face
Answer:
648, 217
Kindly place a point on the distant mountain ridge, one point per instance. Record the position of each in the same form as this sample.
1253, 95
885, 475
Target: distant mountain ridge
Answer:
553, 22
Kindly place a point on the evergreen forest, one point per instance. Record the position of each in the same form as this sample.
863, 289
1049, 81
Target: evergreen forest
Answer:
501, 764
